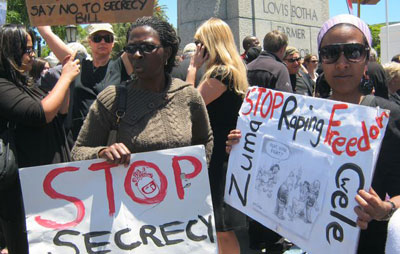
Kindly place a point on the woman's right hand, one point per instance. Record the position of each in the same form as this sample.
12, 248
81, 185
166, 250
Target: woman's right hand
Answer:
71, 67
117, 153
233, 138
199, 57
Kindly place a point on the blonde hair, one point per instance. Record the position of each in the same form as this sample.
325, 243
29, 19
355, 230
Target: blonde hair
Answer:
224, 58
290, 51
392, 70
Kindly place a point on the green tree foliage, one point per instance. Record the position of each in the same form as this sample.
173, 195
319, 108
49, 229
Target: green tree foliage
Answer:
376, 40
17, 13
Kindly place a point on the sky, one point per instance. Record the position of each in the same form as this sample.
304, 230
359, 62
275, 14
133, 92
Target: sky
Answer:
372, 14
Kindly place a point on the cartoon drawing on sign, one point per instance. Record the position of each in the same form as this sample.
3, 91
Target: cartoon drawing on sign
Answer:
145, 182
267, 178
288, 189
312, 200
283, 196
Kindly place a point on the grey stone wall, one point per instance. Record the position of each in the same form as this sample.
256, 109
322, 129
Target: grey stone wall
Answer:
299, 19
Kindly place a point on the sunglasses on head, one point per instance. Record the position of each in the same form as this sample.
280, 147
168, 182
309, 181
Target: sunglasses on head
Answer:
108, 38
292, 60
142, 48
354, 52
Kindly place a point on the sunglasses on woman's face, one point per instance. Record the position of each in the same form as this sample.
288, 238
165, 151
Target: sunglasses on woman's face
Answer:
108, 38
292, 60
354, 52
144, 48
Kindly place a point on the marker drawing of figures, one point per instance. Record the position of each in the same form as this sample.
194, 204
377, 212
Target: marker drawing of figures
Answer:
312, 200
266, 179
283, 196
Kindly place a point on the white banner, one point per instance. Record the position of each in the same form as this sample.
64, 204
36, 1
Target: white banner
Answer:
161, 203
300, 163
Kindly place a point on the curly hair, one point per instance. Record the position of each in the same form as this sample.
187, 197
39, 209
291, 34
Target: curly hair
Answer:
13, 40
166, 32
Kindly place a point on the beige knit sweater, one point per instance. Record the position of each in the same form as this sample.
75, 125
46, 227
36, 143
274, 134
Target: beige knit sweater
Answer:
176, 117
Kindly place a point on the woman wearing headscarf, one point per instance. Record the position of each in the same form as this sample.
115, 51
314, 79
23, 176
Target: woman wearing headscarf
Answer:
344, 42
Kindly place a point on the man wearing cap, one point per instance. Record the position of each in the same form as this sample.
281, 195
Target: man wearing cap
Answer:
95, 74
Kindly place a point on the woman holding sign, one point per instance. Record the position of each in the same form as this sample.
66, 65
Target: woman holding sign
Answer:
344, 42
222, 87
39, 135
160, 112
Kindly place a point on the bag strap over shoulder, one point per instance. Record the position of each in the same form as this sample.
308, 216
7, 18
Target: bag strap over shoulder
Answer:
121, 102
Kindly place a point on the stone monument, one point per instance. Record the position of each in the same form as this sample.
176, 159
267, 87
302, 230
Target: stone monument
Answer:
299, 19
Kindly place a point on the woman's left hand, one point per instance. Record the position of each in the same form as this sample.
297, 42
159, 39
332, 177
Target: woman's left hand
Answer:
371, 207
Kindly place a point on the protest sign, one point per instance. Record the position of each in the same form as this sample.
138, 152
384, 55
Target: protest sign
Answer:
300, 163
65, 12
161, 203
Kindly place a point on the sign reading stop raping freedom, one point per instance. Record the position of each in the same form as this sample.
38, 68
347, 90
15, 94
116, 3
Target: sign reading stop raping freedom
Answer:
300, 163
160, 203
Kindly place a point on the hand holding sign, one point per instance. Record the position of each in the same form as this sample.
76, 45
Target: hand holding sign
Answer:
117, 153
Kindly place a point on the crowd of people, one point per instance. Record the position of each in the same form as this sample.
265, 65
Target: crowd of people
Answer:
72, 111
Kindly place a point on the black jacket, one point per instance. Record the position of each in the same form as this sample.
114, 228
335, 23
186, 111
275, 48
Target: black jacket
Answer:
267, 70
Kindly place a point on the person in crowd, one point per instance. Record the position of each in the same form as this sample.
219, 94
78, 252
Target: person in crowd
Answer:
376, 76
161, 112
344, 42
393, 236
96, 74
300, 81
39, 136
392, 71
396, 58
249, 42
311, 65
180, 71
39, 68
252, 54
268, 70
224, 83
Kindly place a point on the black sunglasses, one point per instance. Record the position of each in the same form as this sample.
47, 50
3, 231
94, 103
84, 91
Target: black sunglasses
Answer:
108, 38
292, 60
354, 52
144, 48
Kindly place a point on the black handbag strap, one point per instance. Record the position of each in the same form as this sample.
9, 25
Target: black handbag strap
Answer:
121, 102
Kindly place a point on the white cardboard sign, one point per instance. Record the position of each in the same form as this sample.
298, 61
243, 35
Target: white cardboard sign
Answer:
161, 203
300, 163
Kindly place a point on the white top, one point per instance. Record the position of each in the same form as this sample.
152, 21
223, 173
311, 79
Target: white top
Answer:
393, 237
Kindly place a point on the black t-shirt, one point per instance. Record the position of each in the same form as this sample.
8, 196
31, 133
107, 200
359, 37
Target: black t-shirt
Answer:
37, 142
87, 85
223, 114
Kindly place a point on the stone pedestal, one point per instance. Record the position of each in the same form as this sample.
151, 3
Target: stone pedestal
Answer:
299, 19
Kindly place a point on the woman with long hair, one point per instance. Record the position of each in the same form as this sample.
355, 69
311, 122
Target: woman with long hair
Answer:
222, 87
39, 136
